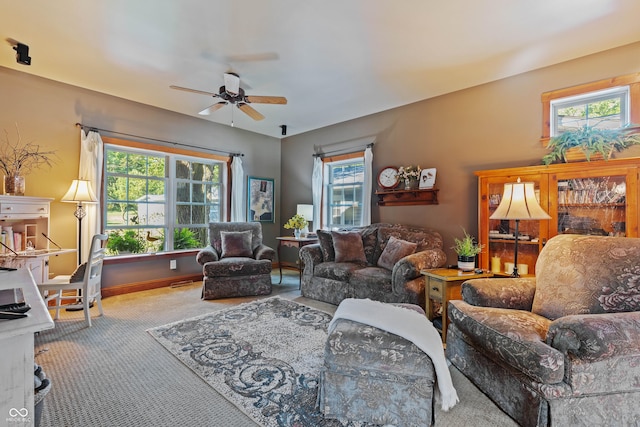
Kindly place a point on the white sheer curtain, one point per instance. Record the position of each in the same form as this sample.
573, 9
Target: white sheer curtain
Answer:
237, 180
316, 191
367, 186
90, 168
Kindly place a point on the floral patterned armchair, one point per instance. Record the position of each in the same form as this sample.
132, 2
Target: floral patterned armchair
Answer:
563, 348
236, 262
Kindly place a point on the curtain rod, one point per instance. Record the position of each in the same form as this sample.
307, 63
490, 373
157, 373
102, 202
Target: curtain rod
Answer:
345, 150
95, 129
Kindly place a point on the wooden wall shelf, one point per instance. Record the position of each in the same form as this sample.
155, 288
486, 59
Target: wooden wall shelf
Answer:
407, 197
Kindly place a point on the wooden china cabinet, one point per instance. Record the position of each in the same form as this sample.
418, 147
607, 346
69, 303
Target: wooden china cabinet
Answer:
596, 198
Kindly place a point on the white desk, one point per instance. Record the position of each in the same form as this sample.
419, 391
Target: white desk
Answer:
37, 261
16, 347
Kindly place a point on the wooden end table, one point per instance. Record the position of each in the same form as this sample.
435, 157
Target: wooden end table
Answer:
442, 285
292, 242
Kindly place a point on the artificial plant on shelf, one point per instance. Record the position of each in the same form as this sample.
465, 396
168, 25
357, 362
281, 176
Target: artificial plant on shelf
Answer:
410, 175
591, 140
18, 159
297, 223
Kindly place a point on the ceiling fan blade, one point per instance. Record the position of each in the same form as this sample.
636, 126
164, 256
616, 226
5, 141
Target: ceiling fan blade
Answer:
266, 99
250, 111
232, 83
249, 57
186, 89
214, 107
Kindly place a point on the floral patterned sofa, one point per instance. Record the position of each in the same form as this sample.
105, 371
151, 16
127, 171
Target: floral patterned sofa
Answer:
381, 262
562, 348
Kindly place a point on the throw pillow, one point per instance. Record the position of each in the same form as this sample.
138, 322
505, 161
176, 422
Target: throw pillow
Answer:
348, 247
394, 251
236, 243
78, 275
326, 245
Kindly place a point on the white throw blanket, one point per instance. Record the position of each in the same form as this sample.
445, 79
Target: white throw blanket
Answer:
408, 324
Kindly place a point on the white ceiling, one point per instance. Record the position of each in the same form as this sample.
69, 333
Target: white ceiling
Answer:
334, 60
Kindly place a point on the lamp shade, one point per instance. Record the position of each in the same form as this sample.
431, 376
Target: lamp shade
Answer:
80, 191
519, 202
306, 211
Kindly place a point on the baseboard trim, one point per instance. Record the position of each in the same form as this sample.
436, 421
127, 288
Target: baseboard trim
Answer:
147, 285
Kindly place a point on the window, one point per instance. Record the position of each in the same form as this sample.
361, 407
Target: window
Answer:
157, 201
343, 196
605, 109
610, 103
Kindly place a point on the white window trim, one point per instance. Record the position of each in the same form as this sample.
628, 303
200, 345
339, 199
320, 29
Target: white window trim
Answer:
170, 188
622, 91
328, 163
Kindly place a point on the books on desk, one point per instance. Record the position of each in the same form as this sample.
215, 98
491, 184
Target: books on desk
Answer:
12, 304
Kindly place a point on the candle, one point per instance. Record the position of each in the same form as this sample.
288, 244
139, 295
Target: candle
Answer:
508, 267
495, 264
523, 269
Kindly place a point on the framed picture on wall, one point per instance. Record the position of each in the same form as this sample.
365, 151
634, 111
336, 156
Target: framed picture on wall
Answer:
427, 178
261, 200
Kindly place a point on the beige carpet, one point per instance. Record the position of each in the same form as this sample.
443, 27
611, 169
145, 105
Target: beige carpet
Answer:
116, 374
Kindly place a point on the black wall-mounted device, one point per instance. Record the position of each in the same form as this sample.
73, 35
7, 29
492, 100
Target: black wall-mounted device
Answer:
284, 129
22, 55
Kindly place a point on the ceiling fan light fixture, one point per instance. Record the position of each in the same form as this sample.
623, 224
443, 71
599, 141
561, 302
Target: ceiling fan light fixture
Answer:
232, 83
232, 93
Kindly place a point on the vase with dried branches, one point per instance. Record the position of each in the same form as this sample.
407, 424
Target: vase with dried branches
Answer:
17, 159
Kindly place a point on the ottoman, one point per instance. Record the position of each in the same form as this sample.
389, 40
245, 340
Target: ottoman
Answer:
374, 376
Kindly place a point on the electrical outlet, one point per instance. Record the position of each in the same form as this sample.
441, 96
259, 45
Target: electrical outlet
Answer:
173, 264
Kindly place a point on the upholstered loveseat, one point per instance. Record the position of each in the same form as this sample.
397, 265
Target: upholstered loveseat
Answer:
236, 262
381, 262
562, 348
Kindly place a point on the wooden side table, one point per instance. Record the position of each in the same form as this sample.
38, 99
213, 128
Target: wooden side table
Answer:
442, 285
292, 242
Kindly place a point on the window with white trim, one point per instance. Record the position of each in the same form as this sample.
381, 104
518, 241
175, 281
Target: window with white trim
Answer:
604, 109
156, 201
343, 196
612, 102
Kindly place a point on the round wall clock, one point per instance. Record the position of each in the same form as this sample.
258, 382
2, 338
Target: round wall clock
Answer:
388, 177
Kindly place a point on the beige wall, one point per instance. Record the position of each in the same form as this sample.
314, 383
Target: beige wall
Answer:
490, 126
485, 127
46, 112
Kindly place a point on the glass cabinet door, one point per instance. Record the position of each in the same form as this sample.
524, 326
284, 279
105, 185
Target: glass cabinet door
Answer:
593, 203
499, 235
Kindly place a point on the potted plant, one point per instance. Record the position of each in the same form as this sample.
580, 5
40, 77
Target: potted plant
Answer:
410, 176
467, 249
590, 142
18, 159
297, 222
125, 241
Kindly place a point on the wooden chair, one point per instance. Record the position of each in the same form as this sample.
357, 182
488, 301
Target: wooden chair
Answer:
87, 279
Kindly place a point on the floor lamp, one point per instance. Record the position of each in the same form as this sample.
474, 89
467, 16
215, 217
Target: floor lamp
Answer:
519, 202
80, 192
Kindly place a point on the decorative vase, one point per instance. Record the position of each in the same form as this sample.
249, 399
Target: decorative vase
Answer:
296, 233
466, 263
14, 185
410, 184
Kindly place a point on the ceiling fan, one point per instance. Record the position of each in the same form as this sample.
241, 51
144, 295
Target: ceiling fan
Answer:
232, 93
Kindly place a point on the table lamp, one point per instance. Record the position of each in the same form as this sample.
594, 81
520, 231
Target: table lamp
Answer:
305, 211
519, 202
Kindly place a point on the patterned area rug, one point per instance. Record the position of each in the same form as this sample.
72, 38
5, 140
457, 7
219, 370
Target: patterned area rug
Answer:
264, 357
